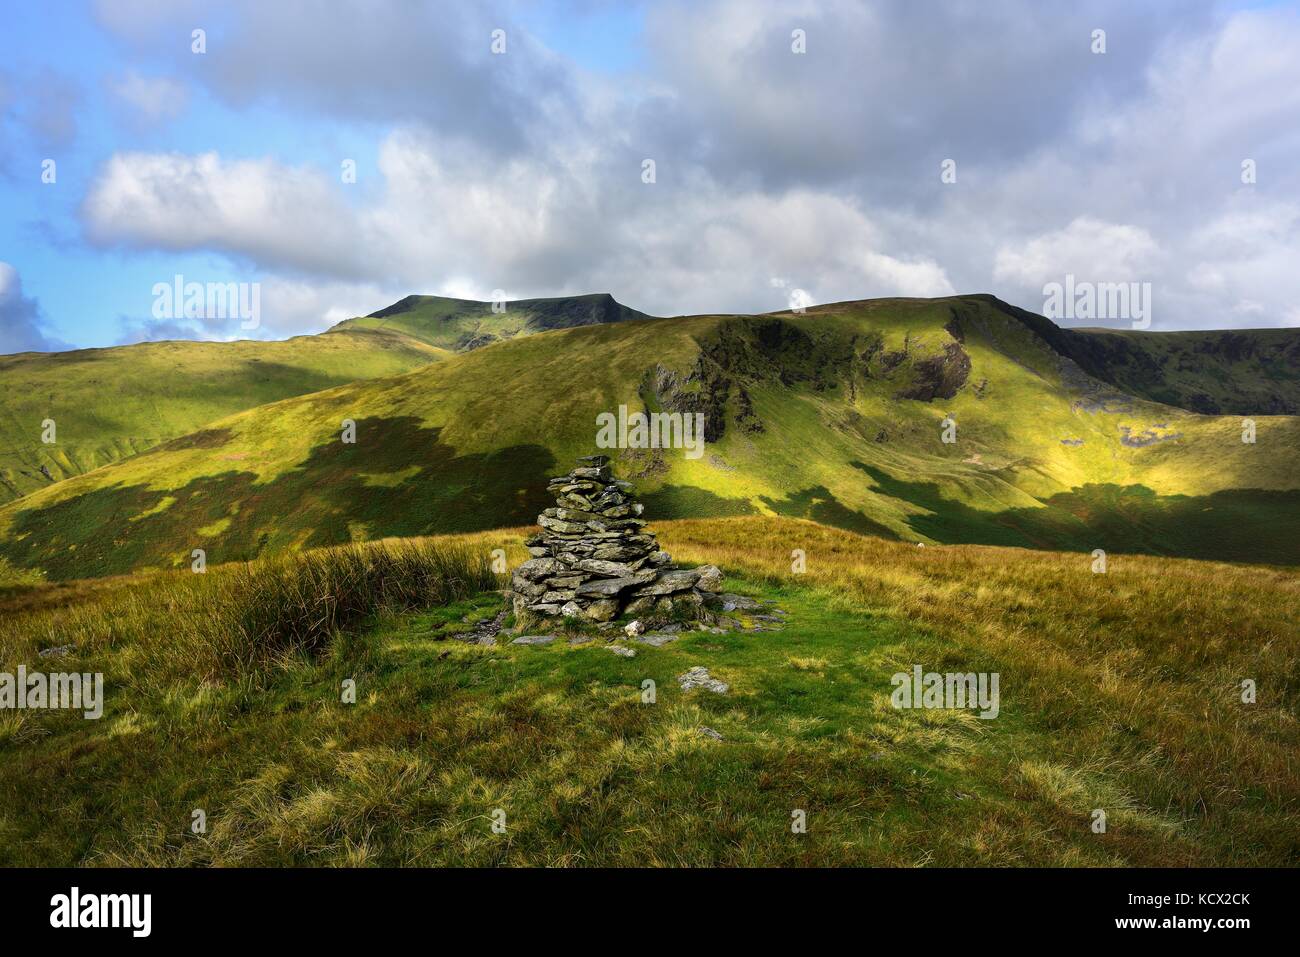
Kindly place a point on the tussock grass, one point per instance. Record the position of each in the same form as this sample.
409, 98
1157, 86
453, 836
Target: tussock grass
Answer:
241, 618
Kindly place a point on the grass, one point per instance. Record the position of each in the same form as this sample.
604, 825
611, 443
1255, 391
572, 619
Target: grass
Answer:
1119, 691
458, 445
244, 619
110, 404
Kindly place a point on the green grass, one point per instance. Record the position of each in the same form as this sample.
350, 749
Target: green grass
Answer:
109, 404
1118, 692
468, 443
241, 619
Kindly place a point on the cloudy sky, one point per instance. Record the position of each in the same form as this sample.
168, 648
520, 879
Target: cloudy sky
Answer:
525, 170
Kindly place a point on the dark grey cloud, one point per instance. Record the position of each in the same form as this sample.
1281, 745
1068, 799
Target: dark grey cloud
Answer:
887, 90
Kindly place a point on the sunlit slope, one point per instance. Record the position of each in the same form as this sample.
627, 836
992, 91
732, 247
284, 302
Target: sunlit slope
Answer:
1243, 371
464, 324
107, 404
835, 415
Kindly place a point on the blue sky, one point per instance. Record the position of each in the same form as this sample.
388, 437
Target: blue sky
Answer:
86, 292
775, 171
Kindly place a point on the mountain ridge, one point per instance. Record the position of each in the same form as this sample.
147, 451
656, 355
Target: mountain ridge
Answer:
463, 324
152, 387
1206, 371
835, 414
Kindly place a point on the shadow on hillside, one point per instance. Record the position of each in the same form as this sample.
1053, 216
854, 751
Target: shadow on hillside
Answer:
400, 479
337, 489
816, 502
686, 501
820, 504
1240, 525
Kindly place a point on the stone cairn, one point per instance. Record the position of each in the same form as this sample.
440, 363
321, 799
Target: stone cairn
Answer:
594, 559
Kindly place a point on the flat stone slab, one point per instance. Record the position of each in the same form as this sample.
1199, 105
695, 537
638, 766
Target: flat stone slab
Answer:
536, 568
622, 652
709, 733
533, 640
611, 569
732, 602
679, 579
655, 639
699, 677
612, 586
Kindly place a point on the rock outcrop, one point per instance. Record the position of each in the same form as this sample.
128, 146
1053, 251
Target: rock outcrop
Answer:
594, 559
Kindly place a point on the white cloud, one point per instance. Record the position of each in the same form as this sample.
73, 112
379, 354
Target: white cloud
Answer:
1089, 249
449, 219
255, 209
924, 278
523, 172
293, 307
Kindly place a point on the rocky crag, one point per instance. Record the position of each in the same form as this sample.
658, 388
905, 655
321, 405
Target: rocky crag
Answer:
594, 560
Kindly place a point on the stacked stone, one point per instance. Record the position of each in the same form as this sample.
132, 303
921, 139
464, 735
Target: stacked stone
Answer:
594, 559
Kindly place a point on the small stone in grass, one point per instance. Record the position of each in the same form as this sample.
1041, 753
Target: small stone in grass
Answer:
655, 640
699, 677
533, 640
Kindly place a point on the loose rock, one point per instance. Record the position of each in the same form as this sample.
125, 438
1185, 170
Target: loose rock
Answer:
655, 640
699, 677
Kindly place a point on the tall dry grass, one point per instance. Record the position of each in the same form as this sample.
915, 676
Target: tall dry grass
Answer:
239, 618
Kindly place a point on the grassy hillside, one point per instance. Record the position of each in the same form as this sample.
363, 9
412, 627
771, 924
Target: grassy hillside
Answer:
108, 404
1118, 692
460, 325
1241, 371
835, 415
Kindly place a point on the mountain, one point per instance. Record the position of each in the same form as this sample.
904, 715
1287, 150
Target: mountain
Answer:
108, 404
1237, 371
836, 415
460, 325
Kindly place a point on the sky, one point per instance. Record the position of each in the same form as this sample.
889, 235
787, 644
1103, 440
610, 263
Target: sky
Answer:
704, 156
